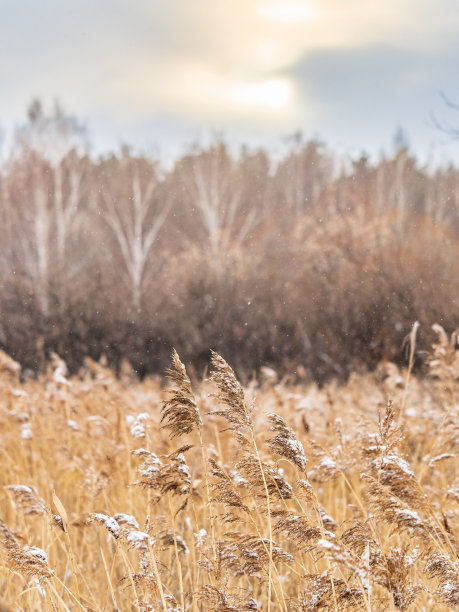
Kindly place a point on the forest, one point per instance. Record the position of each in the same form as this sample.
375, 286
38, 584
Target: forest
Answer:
311, 263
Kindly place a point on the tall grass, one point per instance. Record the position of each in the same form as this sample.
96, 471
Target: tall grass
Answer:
121, 495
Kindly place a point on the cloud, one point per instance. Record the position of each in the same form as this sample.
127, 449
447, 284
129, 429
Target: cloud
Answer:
362, 94
212, 61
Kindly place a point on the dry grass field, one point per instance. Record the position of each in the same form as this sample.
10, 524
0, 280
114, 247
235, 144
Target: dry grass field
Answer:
121, 495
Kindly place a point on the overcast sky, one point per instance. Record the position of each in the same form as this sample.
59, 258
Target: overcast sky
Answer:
160, 74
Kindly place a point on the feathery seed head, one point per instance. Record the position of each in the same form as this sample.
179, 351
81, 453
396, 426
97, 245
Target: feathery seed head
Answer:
180, 411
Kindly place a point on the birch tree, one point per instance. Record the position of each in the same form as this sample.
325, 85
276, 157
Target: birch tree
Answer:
303, 174
213, 190
134, 215
51, 149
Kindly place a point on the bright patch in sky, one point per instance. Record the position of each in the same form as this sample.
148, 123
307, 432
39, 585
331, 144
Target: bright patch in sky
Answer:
270, 94
288, 12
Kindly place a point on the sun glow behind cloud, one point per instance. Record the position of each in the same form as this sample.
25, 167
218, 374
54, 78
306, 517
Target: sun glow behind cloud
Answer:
288, 12
273, 94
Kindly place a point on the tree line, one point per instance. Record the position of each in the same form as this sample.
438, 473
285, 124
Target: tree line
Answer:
309, 263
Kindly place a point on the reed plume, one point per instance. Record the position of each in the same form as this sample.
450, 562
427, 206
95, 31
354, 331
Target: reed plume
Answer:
180, 411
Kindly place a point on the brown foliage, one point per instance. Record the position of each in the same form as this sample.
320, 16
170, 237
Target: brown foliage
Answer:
292, 265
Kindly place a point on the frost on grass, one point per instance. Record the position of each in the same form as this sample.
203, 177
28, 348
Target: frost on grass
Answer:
137, 539
392, 460
137, 424
26, 432
106, 521
126, 519
26, 499
285, 443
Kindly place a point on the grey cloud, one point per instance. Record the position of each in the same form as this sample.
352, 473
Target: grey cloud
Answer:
362, 93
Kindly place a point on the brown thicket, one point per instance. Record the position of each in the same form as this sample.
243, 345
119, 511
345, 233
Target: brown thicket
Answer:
308, 265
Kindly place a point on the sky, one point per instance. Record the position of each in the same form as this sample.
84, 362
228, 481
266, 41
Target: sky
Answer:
162, 74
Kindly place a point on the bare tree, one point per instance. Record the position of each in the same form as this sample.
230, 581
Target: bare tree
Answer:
303, 174
5, 217
212, 187
50, 152
135, 219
